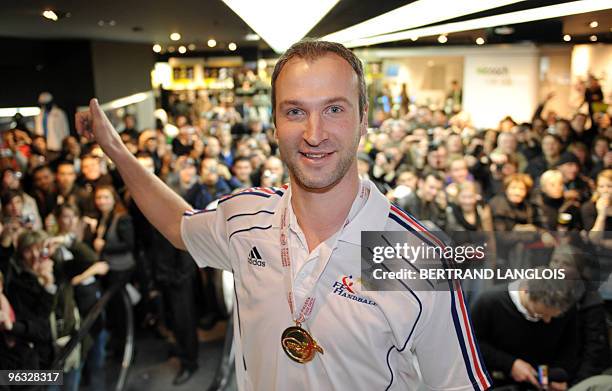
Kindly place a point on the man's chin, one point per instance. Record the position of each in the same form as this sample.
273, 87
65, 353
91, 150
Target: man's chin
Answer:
319, 184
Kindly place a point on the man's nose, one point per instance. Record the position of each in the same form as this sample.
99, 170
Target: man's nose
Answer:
314, 133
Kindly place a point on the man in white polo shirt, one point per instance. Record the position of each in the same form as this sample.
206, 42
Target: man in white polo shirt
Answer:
302, 321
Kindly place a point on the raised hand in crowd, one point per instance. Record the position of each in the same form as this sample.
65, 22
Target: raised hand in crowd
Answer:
43, 268
99, 268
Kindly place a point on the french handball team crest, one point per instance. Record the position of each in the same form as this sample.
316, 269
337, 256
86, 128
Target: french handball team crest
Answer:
347, 281
345, 287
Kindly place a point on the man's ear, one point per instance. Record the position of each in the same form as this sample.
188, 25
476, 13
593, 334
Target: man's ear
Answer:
364, 121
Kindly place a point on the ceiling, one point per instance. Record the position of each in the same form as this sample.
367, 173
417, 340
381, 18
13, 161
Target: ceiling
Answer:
197, 21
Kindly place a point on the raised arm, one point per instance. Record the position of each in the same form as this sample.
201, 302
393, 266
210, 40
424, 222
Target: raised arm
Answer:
160, 205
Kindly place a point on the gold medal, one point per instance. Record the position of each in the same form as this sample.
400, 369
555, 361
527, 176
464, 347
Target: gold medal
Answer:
299, 345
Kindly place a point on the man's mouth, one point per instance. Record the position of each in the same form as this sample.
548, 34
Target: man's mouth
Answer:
315, 156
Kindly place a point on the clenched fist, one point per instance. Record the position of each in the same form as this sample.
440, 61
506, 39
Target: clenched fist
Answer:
93, 124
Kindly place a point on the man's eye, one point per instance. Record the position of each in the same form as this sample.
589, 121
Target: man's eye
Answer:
335, 109
294, 112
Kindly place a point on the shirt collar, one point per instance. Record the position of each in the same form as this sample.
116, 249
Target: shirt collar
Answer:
372, 217
514, 291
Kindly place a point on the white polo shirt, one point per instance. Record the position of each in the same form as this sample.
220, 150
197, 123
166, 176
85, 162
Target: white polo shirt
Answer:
371, 340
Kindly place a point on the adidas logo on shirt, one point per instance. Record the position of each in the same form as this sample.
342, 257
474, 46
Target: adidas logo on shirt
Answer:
255, 258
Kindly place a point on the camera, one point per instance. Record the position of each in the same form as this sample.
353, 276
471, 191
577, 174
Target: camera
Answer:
26, 219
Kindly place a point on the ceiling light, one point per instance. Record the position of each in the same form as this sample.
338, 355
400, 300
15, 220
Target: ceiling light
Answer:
157, 48
128, 100
504, 30
51, 15
593, 24
414, 38
252, 37
232, 46
293, 19
443, 39
175, 36
211, 43
530, 15
415, 14
103, 23
182, 49
567, 37
191, 46
593, 38
25, 111
480, 41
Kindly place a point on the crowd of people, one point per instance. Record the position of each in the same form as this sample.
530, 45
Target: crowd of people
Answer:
70, 230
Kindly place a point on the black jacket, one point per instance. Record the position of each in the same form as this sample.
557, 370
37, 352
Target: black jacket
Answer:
504, 335
32, 305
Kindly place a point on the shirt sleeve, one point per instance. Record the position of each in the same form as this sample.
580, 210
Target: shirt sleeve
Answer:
204, 235
445, 346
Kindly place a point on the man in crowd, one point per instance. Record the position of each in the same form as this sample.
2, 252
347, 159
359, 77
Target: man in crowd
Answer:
91, 176
52, 124
526, 324
44, 190
552, 146
575, 187
67, 189
425, 203
242, 170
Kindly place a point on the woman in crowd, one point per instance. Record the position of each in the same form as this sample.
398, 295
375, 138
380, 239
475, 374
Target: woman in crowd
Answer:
113, 241
114, 234
512, 210
30, 289
468, 213
470, 223
553, 209
85, 271
46, 314
14, 221
12, 180
515, 221
597, 213
78, 257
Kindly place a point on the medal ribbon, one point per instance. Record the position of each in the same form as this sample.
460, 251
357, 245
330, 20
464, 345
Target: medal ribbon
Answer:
309, 302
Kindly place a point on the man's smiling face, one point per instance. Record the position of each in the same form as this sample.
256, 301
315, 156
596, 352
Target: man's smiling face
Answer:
318, 125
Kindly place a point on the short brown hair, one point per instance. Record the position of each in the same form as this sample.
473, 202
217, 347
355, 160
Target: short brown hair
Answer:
521, 178
310, 50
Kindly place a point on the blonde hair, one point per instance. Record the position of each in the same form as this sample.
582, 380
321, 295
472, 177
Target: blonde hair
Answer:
605, 174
